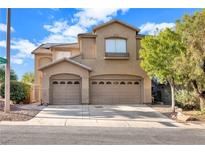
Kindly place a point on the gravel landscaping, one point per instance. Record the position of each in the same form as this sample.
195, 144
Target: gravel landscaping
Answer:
166, 110
17, 113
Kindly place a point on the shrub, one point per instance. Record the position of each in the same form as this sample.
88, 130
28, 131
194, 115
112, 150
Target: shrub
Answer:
191, 106
179, 104
187, 100
20, 92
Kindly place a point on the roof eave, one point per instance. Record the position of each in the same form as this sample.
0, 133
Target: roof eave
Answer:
33, 52
68, 60
86, 35
58, 45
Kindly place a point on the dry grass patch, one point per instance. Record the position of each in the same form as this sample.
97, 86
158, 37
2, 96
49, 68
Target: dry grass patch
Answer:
196, 114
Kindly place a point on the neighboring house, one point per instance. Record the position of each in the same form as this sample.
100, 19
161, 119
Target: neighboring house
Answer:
102, 68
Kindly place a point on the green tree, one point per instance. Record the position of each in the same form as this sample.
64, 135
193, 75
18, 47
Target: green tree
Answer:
157, 57
13, 75
191, 65
28, 78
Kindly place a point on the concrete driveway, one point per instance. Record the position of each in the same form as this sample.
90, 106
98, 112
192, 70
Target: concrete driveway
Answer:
103, 116
103, 112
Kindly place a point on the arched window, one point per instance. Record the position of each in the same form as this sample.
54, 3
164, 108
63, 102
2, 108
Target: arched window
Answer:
108, 82
115, 82
55, 82
101, 82
116, 45
76, 82
129, 82
122, 82
136, 82
69, 82
62, 82
94, 82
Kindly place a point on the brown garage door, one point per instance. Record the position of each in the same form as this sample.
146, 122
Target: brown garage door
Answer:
66, 92
115, 91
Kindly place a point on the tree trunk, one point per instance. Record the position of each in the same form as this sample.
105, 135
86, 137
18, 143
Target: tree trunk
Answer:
200, 95
173, 98
172, 86
202, 102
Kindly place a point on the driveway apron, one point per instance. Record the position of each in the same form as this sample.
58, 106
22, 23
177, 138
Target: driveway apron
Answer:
102, 116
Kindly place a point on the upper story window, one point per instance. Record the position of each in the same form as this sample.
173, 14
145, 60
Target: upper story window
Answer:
116, 45
62, 54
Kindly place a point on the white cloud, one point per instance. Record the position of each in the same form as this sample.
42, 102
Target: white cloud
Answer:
16, 60
74, 30
58, 38
154, 28
3, 28
3, 43
23, 48
63, 32
90, 17
57, 27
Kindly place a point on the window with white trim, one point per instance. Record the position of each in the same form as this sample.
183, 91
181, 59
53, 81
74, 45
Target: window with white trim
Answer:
116, 45
63, 54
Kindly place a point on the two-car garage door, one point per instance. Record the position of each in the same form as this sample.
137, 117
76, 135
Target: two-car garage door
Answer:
115, 90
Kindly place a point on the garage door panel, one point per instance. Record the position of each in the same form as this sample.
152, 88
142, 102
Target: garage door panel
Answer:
66, 91
125, 91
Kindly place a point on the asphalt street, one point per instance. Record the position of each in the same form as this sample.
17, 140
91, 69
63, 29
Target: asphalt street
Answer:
47, 135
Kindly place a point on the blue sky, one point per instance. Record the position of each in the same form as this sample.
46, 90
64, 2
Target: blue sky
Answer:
31, 27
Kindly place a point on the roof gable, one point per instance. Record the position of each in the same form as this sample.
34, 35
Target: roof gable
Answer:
115, 21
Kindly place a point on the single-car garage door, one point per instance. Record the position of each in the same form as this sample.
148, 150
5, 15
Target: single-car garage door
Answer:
66, 91
116, 90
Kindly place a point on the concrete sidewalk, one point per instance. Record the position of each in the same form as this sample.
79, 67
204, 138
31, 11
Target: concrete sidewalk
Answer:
104, 123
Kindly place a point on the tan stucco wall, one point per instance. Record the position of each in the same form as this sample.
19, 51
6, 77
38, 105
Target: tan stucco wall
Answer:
129, 67
88, 48
115, 30
62, 68
40, 60
100, 66
43, 59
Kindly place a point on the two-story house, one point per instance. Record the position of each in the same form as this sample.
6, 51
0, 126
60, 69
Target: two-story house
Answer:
102, 68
